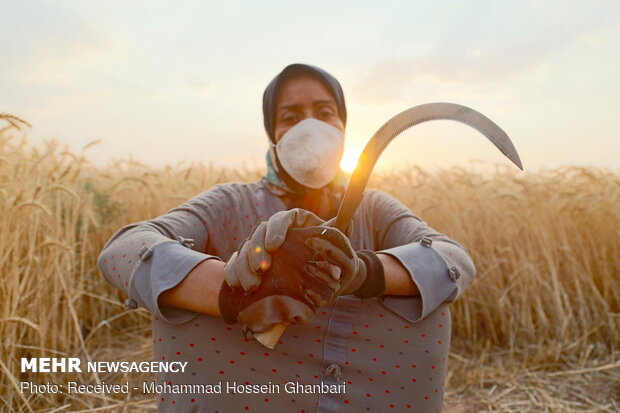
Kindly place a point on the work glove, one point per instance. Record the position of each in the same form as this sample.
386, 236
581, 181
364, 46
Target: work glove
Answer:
245, 266
362, 272
286, 292
303, 267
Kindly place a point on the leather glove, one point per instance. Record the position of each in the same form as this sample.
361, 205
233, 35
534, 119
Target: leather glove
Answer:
245, 267
290, 271
287, 290
362, 272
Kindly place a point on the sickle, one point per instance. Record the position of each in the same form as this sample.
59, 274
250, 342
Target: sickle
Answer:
379, 141
404, 120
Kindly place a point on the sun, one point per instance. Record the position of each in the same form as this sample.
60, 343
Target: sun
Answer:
349, 160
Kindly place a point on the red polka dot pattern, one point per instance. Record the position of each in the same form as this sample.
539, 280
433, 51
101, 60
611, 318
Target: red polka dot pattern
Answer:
388, 361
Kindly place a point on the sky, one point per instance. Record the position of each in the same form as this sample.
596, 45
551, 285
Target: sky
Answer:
165, 82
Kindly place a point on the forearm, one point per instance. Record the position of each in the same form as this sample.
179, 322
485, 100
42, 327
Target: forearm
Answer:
199, 289
397, 278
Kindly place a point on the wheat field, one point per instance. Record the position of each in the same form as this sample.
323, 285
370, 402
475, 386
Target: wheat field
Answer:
537, 331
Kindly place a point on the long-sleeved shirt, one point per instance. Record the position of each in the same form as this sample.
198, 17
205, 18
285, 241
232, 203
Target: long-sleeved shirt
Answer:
378, 354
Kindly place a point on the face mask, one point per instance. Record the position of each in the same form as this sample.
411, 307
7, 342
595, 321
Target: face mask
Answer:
310, 152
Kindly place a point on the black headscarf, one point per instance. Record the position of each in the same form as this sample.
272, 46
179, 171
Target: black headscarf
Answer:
295, 70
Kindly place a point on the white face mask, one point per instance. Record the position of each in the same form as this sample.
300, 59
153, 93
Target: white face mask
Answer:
310, 152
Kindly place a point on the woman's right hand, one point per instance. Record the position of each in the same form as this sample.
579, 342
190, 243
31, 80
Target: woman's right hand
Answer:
287, 291
246, 266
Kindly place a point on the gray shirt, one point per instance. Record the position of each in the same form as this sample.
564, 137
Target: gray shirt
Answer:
376, 354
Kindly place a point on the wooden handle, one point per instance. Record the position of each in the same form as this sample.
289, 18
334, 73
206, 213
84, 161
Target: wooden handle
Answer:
270, 337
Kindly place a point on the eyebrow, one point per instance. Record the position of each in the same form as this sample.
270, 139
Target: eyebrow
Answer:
315, 103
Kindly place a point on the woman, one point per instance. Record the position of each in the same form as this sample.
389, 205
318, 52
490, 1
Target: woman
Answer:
379, 333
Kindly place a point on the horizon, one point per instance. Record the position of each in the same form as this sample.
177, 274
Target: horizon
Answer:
138, 75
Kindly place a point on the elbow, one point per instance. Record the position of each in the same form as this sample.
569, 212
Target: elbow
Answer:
106, 261
466, 270
468, 265
101, 260
457, 255
461, 268
104, 264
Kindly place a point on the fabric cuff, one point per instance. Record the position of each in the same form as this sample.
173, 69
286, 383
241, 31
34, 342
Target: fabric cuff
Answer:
429, 272
161, 268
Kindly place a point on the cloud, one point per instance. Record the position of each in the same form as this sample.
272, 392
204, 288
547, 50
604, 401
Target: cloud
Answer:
49, 53
46, 34
201, 87
484, 46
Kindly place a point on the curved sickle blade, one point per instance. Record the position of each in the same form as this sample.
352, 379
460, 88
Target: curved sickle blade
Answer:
376, 145
403, 121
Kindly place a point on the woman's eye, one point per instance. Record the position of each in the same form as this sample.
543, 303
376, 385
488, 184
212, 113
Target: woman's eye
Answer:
326, 113
289, 118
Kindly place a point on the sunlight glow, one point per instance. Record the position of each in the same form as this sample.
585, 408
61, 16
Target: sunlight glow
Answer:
349, 159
